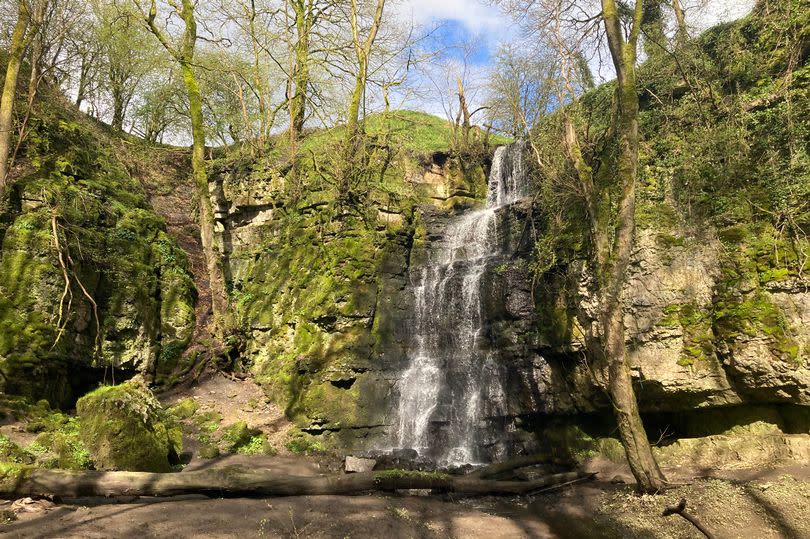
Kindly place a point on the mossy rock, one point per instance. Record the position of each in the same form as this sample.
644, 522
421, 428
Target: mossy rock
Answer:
125, 428
184, 409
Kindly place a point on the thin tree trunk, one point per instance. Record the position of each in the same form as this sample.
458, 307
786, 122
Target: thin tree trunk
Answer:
184, 55
16, 50
300, 75
620, 387
219, 296
683, 32
465, 113
362, 51
234, 480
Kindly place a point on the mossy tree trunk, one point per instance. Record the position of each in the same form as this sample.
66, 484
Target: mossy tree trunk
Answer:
362, 49
19, 41
652, 25
304, 11
183, 53
613, 271
682, 33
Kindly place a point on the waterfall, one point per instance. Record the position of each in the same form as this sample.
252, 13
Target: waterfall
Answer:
453, 384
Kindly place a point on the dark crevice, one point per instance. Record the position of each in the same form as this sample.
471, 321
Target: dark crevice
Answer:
343, 384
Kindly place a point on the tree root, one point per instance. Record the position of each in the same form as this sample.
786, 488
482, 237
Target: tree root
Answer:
680, 509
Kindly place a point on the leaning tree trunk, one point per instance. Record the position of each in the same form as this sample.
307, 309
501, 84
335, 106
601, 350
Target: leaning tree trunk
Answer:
16, 50
213, 258
620, 386
633, 435
241, 481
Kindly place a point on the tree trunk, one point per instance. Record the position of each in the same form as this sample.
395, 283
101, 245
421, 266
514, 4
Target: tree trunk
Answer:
357, 98
15, 54
612, 275
633, 436
465, 114
183, 53
652, 24
300, 75
362, 52
118, 111
219, 295
258, 482
682, 33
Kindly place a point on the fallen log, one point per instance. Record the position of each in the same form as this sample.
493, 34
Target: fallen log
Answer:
500, 468
17, 481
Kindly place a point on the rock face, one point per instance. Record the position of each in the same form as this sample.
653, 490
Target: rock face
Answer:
125, 428
321, 288
329, 303
699, 332
78, 203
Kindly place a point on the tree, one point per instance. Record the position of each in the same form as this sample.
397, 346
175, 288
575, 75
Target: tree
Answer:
24, 29
304, 18
182, 51
128, 53
362, 49
607, 185
612, 266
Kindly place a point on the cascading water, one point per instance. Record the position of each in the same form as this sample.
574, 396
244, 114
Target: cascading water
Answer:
453, 383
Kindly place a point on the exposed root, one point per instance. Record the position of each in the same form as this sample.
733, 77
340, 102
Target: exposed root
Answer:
65, 265
67, 292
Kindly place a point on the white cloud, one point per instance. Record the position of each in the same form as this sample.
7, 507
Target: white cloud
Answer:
476, 16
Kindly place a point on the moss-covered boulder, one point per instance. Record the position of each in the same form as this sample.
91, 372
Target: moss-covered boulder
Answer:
125, 428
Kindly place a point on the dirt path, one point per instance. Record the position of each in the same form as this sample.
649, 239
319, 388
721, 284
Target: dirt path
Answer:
363, 517
228, 400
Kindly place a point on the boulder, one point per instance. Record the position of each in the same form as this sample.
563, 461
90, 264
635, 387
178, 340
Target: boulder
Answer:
125, 428
358, 464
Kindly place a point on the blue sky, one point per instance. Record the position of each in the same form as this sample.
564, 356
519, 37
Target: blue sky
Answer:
451, 34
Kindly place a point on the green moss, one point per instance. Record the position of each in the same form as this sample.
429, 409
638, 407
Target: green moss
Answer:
184, 409
299, 442
566, 442
698, 333
237, 435
12, 474
11, 452
410, 474
755, 315
125, 428
118, 250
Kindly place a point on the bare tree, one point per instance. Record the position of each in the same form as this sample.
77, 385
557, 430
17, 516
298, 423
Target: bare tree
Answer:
362, 49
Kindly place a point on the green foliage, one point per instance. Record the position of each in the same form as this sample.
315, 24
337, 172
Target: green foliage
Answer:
239, 438
184, 409
302, 443
57, 444
11, 452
